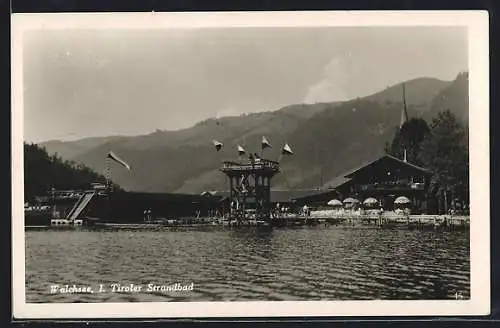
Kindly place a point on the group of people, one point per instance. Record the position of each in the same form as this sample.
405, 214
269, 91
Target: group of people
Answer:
254, 159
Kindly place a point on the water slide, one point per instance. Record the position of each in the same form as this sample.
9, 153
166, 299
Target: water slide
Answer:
80, 206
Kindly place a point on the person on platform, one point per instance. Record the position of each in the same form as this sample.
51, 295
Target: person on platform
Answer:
305, 210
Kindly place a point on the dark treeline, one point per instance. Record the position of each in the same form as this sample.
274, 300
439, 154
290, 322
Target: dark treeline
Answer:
43, 172
441, 147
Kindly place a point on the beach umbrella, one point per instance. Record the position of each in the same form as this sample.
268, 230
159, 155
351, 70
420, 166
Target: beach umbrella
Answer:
402, 200
334, 202
350, 200
370, 201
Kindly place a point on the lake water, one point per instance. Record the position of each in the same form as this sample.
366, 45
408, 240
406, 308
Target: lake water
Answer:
316, 263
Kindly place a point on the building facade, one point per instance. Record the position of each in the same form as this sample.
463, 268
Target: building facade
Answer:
384, 179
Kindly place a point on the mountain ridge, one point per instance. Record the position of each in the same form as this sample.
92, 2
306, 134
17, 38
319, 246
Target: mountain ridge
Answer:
328, 138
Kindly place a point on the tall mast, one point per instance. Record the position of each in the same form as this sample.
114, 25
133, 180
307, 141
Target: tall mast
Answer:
405, 110
404, 119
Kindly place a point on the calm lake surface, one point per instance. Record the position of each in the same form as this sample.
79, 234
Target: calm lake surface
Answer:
316, 263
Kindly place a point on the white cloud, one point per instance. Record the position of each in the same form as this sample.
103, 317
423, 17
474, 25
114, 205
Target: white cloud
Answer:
332, 87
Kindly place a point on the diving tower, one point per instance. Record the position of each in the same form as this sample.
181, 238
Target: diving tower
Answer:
250, 187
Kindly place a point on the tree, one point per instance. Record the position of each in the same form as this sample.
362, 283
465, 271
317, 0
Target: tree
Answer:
42, 172
445, 151
409, 137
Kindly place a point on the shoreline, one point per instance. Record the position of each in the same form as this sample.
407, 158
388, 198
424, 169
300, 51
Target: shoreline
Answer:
449, 222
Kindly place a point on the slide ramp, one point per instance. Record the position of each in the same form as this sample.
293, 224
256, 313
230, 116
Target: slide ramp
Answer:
80, 205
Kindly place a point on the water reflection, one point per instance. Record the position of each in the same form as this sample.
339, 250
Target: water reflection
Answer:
251, 264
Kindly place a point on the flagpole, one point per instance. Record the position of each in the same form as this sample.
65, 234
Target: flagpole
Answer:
107, 173
281, 153
404, 103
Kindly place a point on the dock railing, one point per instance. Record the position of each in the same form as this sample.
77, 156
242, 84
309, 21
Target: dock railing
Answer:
248, 165
390, 217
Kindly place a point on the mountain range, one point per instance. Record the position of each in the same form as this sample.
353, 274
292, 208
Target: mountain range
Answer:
327, 139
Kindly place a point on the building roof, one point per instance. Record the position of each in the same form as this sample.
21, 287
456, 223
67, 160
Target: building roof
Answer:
291, 195
347, 176
337, 182
319, 195
355, 171
342, 178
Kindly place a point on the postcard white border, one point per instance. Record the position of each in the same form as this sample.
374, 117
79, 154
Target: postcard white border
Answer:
477, 25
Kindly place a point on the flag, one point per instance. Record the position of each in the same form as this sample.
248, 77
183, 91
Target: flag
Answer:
117, 159
241, 150
218, 145
286, 150
265, 143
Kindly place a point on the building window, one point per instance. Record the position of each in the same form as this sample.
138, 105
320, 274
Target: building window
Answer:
418, 179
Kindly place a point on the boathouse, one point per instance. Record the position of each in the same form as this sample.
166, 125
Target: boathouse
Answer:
384, 179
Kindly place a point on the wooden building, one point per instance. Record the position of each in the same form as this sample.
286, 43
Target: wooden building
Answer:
385, 179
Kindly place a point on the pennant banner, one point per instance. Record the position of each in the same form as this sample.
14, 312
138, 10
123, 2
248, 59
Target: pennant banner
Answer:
117, 159
265, 143
287, 150
241, 150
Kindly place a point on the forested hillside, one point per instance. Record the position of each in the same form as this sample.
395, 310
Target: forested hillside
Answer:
43, 172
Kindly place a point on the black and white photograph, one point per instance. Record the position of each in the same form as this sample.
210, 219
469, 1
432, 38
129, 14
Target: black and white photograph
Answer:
271, 164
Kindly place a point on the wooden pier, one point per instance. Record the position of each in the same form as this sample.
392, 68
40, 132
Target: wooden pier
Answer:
388, 221
401, 221
411, 222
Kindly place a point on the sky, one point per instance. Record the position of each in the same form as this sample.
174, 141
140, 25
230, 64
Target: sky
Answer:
86, 83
